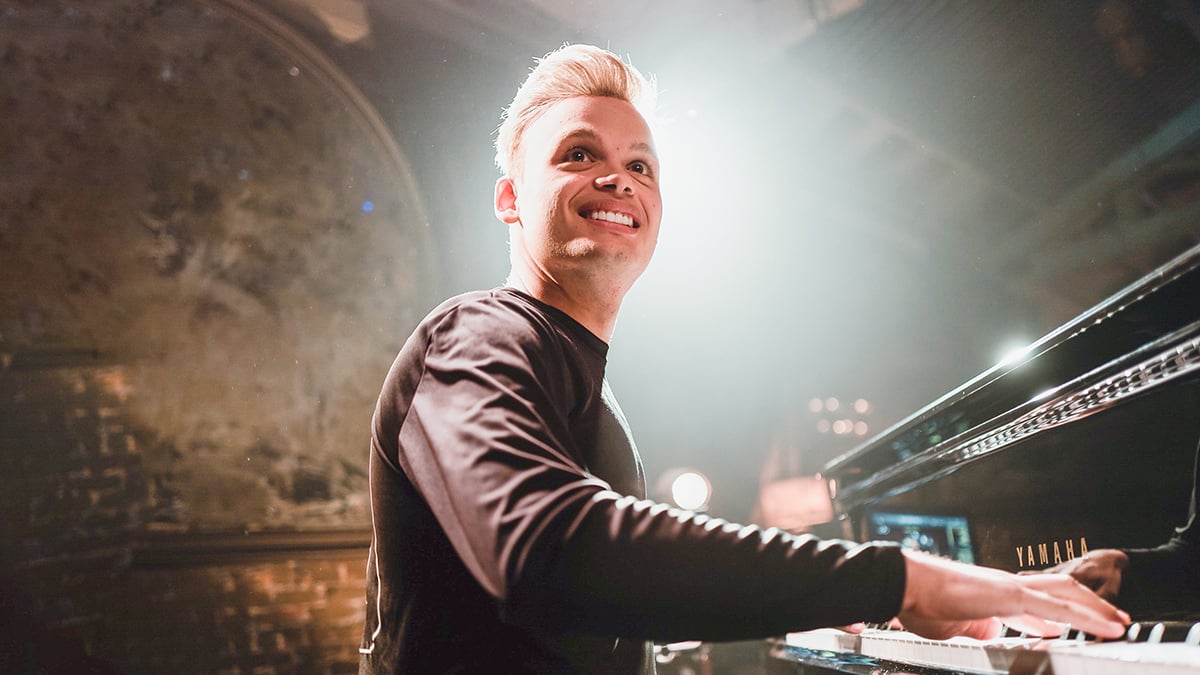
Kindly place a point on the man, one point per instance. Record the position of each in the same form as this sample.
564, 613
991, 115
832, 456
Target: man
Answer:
511, 533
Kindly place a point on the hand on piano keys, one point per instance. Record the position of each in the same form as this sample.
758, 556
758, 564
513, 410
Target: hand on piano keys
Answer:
944, 599
1100, 570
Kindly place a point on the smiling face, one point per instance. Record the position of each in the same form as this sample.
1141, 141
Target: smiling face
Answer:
584, 205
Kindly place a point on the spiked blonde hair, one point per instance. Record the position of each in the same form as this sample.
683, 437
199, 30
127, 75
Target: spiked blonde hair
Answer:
570, 71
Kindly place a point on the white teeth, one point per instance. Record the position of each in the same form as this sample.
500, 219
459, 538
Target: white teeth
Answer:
612, 217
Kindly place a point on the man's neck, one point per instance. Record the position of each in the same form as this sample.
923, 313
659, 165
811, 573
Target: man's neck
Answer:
594, 308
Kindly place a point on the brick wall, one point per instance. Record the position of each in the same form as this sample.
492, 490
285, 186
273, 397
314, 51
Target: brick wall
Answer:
281, 616
285, 615
97, 562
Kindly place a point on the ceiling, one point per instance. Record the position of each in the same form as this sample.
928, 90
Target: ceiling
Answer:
1053, 145
892, 186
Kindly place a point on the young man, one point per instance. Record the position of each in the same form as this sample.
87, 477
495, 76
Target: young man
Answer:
511, 530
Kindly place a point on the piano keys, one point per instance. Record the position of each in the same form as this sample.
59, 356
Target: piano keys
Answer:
1090, 442
892, 651
958, 654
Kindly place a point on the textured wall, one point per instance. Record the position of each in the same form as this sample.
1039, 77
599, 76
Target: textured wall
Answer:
209, 252
209, 215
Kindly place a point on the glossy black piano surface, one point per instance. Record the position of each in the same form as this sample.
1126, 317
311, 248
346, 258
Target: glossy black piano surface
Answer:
1089, 442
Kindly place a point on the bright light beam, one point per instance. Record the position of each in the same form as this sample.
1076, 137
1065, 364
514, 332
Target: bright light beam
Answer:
691, 490
1014, 353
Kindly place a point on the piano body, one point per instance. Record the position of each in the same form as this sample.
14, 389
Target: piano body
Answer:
1089, 442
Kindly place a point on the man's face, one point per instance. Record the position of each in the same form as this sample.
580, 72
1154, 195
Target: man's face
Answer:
586, 198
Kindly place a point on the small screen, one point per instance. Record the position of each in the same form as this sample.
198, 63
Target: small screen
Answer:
946, 536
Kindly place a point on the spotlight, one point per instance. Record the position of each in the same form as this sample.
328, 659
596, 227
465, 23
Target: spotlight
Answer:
686, 488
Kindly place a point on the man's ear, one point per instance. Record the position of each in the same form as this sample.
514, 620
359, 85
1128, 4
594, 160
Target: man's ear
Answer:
506, 200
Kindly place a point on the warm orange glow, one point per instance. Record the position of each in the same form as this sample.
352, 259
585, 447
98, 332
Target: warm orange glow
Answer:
795, 504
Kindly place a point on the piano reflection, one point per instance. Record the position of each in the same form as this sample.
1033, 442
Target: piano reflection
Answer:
1082, 454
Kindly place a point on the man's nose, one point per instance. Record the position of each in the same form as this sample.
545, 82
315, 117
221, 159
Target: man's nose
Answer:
616, 181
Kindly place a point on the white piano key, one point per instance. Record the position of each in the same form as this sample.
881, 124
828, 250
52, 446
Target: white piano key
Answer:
1071, 656
1117, 658
959, 652
824, 639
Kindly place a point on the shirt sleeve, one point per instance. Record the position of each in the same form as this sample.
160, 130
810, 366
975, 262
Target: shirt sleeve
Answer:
1167, 578
486, 442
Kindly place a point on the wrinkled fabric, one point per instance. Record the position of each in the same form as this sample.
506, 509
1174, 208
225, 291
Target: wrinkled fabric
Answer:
511, 532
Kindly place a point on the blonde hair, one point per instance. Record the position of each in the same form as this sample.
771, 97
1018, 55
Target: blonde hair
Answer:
569, 71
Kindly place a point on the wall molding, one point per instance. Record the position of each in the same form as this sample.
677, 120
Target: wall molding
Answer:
205, 549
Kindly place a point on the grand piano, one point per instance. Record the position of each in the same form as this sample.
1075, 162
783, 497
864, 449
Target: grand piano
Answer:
1088, 442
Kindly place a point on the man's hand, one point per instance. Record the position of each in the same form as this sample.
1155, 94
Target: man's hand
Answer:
1100, 570
944, 598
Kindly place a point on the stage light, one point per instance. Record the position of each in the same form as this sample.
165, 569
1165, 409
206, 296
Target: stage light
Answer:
691, 490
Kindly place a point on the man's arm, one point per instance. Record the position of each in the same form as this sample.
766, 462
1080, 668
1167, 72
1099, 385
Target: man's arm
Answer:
486, 445
1160, 579
1167, 577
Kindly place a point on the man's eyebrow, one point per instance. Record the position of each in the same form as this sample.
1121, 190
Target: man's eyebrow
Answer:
577, 134
588, 134
646, 148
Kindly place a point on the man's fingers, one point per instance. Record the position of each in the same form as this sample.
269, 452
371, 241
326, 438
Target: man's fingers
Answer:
1069, 588
945, 596
982, 629
1033, 625
1063, 600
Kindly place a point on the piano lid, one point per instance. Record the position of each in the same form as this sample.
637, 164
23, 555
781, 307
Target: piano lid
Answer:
1136, 341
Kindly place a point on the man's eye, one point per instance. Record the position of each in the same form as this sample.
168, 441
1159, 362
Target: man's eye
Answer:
642, 168
578, 155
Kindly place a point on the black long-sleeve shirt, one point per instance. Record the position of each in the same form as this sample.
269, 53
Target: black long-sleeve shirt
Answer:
1165, 580
511, 533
